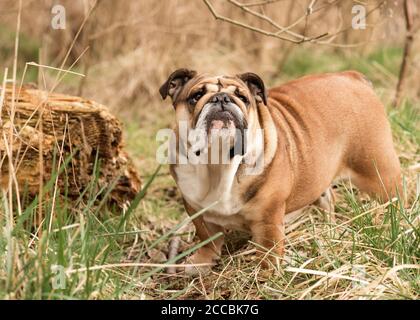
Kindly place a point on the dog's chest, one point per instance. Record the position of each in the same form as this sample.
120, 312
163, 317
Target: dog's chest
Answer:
217, 190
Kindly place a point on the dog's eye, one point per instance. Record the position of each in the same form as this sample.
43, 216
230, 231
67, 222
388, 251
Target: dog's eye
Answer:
242, 97
195, 97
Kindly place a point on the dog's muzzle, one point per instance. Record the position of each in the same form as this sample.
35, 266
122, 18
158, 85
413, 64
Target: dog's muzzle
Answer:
221, 112
220, 116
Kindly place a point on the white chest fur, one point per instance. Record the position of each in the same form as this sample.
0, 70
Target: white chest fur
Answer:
206, 185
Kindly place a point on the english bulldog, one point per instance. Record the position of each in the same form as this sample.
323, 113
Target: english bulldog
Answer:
311, 131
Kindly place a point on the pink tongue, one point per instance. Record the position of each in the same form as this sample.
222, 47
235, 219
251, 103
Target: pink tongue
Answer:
217, 124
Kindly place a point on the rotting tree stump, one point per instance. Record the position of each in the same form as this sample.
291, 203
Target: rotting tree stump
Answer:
64, 129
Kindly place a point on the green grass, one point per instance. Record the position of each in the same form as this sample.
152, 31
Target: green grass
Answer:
84, 237
28, 51
368, 251
405, 123
378, 66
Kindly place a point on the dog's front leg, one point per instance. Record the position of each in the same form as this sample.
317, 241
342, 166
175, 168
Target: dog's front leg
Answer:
209, 252
268, 232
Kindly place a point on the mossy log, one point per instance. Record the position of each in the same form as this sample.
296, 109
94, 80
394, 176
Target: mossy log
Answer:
63, 127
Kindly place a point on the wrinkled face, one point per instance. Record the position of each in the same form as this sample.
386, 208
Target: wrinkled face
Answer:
221, 106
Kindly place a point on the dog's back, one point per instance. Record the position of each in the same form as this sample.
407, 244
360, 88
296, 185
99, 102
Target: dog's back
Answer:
335, 120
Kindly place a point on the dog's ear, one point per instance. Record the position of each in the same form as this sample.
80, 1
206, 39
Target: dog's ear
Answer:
173, 86
255, 84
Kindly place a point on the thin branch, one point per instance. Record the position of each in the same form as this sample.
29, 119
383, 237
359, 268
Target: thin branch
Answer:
408, 48
267, 19
300, 19
260, 3
293, 37
243, 25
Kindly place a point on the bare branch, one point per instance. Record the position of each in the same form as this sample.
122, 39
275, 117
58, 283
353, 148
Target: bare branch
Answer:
299, 38
408, 48
243, 25
293, 37
260, 3
267, 19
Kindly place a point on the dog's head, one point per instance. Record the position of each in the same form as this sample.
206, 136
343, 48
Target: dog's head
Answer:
216, 103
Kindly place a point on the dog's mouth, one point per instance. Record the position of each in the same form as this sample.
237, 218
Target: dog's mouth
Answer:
226, 128
221, 125
221, 120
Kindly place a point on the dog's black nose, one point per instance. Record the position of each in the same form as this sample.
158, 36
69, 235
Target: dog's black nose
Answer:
221, 98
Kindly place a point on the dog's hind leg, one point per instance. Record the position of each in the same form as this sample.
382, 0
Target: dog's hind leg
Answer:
381, 187
373, 165
326, 202
377, 174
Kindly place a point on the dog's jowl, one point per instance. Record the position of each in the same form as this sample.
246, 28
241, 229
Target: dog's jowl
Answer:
312, 131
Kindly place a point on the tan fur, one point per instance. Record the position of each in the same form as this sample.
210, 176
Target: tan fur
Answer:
316, 128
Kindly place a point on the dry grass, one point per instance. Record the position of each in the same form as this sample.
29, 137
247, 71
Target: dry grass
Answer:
134, 45
369, 251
